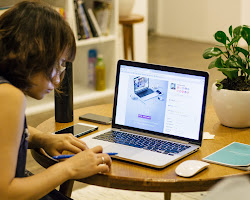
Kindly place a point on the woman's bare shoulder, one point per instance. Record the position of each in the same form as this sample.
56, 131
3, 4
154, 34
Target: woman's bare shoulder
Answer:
11, 95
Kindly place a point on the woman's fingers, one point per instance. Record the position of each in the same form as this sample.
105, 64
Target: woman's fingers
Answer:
73, 144
79, 144
89, 162
97, 149
103, 168
104, 158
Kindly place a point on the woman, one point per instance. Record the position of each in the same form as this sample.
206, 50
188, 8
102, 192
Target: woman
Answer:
35, 43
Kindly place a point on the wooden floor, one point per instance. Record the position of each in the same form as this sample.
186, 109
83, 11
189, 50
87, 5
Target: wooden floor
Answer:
164, 51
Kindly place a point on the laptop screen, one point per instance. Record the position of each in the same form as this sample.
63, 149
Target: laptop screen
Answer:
175, 109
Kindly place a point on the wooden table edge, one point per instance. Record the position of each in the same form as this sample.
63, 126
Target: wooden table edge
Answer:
139, 184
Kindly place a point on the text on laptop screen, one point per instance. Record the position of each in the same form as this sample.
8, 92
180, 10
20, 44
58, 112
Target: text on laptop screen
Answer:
170, 103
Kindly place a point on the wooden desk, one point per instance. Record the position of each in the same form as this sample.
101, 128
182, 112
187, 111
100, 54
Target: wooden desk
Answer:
124, 175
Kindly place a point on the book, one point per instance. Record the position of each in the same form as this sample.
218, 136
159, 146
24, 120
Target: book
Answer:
84, 20
95, 23
102, 11
236, 155
79, 25
91, 25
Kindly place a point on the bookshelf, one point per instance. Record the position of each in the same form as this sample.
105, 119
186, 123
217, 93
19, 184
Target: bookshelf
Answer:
106, 45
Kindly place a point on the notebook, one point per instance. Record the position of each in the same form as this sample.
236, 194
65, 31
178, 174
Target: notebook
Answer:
236, 155
162, 130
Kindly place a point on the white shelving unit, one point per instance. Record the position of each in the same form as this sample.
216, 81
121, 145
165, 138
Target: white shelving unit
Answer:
106, 45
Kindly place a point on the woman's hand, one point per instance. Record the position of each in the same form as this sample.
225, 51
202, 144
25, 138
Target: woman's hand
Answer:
55, 144
88, 163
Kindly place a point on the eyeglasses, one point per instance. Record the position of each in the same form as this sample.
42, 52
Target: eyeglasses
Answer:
60, 67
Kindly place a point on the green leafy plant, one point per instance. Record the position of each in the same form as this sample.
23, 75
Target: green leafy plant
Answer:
231, 59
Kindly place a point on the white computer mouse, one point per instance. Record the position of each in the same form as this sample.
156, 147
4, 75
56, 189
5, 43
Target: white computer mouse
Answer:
189, 168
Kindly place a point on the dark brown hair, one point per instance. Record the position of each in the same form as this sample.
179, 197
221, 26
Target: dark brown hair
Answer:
33, 37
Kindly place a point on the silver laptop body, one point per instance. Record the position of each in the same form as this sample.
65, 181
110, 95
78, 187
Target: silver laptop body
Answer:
141, 133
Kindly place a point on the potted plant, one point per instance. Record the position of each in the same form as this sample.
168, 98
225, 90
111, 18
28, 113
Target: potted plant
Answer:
231, 96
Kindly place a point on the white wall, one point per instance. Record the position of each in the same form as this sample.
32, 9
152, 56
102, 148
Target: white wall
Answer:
200, 19
140, 33
245, 14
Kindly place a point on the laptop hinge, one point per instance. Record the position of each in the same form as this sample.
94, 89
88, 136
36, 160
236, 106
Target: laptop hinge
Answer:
150, 135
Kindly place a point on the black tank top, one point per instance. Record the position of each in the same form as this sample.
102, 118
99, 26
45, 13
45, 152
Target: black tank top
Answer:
22, 153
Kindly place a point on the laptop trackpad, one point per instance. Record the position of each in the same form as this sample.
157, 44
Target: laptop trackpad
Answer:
123, 151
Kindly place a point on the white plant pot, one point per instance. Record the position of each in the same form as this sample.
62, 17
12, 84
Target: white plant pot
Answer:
125, 7
232, 107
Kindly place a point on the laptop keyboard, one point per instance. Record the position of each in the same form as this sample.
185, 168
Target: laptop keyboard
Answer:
146, 92
138, 141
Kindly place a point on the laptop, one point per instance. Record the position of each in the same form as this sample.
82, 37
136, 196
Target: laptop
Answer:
165, 129
142, 90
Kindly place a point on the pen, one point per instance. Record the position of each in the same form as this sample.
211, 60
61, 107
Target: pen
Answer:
69, 156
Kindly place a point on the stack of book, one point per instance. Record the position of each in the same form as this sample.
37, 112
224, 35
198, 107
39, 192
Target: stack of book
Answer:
88, 25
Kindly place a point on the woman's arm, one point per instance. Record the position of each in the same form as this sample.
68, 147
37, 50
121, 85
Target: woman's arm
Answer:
83, 164
12, 106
